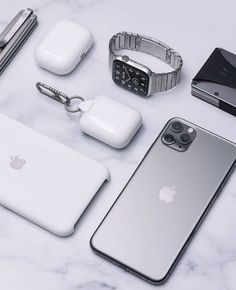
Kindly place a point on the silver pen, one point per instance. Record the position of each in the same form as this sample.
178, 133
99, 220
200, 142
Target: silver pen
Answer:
15, 34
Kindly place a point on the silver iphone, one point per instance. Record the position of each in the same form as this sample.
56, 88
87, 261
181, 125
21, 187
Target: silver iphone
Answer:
153, 219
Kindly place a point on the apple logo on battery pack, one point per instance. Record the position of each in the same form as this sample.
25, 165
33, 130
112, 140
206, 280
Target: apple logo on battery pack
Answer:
167, 193
17, 162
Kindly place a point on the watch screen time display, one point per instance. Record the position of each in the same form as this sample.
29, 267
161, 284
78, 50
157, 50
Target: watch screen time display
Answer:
130, 78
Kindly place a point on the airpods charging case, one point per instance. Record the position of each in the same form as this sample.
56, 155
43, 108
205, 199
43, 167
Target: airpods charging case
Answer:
109, 121
63, 48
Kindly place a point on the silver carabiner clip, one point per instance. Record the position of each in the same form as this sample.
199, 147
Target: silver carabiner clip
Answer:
53, 93
60, 97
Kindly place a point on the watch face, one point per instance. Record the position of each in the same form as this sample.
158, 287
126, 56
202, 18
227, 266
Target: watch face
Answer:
130, 78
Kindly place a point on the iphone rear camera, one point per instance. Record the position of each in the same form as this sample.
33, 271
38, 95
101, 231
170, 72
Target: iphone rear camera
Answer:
169, 139
177, 127
185, 138
179, 135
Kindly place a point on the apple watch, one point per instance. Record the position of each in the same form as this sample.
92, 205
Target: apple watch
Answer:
136, 77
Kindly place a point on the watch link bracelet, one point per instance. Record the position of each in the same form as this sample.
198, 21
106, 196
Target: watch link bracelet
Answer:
136, 77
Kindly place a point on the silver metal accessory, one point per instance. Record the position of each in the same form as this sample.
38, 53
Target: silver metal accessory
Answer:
136, 77
60, 97
15, 34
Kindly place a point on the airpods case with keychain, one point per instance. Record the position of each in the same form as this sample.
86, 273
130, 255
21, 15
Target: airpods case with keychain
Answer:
63, 48
109, 121
102, 118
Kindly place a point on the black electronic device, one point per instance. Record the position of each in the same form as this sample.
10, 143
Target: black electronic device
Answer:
215, 83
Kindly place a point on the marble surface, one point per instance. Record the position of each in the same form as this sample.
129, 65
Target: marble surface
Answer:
33, 259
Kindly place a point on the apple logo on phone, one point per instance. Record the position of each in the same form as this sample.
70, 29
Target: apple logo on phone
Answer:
17, 162
167, 193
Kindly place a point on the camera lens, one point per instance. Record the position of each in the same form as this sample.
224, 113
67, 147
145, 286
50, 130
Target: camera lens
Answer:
177, 127
169, 139
185, 138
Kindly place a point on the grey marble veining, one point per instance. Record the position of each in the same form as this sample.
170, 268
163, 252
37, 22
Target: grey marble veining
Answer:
31, 258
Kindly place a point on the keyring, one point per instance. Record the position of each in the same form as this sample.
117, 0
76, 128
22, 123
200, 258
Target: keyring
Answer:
69, 107
99, 117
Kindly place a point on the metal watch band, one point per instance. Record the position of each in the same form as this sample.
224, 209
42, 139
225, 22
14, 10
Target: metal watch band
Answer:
132, 41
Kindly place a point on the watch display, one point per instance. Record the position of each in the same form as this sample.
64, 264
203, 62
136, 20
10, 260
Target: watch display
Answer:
130, 78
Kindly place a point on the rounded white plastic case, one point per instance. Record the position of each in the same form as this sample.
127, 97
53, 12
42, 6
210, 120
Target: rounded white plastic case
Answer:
63, 48
109, 121
45, 181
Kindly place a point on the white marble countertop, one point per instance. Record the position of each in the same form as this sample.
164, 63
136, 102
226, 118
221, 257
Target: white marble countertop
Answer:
33, 259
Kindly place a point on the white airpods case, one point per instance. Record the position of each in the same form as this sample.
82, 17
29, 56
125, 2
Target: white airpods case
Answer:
63, 48
109, 121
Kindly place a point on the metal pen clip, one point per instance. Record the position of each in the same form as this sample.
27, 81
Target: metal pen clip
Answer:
15, 34
14, 26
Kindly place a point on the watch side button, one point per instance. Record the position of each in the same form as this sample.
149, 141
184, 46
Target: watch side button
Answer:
125, 58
